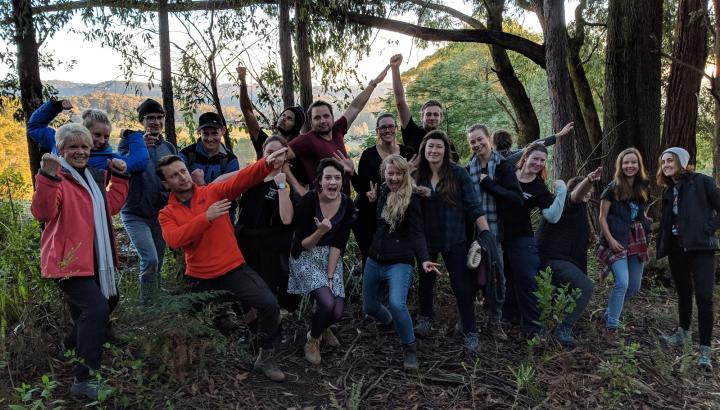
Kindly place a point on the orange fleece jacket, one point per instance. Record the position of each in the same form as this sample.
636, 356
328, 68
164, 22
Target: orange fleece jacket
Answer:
210, 247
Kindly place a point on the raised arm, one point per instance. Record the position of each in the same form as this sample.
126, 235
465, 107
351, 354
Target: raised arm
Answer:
38, 126
399, 91
137, 155
584, 186
246, 107
359, 102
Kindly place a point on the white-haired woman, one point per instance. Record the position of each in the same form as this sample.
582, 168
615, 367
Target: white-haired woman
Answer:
77, 247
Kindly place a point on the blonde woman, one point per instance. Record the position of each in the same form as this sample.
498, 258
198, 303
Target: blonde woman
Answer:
398, 240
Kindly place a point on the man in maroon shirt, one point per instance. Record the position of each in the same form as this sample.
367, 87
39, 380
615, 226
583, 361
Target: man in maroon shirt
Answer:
327, 136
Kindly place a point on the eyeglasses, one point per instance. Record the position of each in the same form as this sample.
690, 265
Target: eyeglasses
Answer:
154, 117
386, 127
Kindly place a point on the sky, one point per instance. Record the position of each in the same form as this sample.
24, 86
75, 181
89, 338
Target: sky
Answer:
68, 46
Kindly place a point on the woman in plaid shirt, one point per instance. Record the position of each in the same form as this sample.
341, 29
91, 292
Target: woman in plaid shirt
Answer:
452, 205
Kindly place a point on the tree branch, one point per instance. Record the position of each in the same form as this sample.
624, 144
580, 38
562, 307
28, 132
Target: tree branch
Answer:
469, 20
529, 49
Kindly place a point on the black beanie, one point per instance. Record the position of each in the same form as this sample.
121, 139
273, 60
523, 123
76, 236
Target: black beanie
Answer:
299, 118
149, 106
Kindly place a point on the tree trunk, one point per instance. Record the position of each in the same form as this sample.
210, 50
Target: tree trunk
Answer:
716, 89
563, 100
581, 83
286, 61
28, 66
527, 123
303, 54
166, 73
632, 81
689, 54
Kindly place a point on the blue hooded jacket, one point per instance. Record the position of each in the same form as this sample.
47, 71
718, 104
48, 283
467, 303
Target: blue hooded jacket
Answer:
39, 130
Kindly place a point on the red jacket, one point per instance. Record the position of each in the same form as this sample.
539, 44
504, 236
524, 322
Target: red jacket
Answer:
67, 242
210, 247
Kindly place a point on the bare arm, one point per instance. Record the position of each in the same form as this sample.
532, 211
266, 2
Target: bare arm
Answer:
604, 228
482, 224
332, 261
582, 189
399, 91
286, 206
246, 106
359, 102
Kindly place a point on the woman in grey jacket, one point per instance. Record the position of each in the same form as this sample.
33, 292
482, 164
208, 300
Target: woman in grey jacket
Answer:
690, 218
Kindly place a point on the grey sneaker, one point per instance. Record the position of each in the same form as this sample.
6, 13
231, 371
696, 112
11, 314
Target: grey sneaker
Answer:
423, 327
565, 337
471, 341
266, 365
90, 389
410, 361
705, 358
677, 339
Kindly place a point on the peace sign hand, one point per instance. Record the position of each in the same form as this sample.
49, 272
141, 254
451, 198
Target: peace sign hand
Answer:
431, 267
372, 193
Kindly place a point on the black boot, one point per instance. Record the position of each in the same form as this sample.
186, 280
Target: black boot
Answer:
410, 361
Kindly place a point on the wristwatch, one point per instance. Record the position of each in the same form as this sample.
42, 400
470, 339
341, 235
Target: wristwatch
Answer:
282, 185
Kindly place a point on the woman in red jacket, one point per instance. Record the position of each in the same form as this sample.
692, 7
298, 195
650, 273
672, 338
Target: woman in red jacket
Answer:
77, 245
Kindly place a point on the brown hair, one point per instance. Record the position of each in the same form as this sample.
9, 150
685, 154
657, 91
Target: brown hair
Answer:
447, 187
535, 146
502, 140
623, 191
274, 138
318, 103
430, 103
163, 162
324, 163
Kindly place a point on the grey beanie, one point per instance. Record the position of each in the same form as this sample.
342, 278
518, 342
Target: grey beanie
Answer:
682, 155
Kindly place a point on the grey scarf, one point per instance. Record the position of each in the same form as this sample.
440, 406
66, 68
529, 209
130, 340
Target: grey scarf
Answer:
103, 244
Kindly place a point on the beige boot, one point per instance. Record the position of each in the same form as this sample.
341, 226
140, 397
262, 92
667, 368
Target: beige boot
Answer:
266, 364
312, 350
329, 338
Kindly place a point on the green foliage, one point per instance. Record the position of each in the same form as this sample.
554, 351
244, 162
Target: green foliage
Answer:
620, 371
554, 302
39, 396
526, 381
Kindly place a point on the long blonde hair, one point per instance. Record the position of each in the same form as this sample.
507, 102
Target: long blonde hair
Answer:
398, 201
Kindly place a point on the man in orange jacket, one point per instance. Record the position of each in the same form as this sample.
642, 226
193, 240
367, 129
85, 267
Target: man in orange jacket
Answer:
196, 220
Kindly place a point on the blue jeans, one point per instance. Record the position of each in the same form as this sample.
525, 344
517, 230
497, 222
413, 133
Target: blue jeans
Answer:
146, 237
566, 272
522, 263
399, 278
628, 277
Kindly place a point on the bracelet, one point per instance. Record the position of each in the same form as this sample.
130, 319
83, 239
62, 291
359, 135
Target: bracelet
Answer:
330, 277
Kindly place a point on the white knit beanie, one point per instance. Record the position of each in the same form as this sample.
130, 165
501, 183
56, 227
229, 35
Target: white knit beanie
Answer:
682, 155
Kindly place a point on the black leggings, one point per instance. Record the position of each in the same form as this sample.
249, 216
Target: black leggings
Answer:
328, 310
694, 269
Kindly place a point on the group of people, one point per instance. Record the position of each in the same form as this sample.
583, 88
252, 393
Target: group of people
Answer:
275, 230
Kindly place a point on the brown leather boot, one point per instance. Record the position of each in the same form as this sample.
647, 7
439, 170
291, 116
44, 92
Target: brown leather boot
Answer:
312, 350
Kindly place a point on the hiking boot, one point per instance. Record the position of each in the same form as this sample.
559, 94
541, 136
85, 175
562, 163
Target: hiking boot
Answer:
677, 339
611, 336
329, 338
312, 350
90, 389
471, 341
495, 329
410, 361
266, 365
564, 336
423, 327
705, 358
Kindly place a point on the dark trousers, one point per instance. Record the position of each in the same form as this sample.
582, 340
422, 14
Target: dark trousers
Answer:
91, 315
566, 272
248, 288
694, 269
272, 266
463, 283
522, 264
